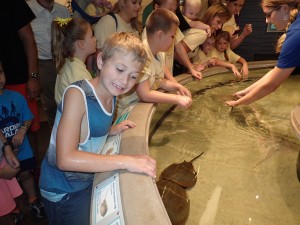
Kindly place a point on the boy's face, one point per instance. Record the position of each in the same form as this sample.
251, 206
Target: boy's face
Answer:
167, 38
221, 45
208, 45
119, 73
2, 77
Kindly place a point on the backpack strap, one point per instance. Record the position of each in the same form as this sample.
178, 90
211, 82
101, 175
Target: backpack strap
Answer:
115, 18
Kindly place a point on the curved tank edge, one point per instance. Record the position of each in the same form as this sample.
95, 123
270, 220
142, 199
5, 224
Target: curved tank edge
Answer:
141, 201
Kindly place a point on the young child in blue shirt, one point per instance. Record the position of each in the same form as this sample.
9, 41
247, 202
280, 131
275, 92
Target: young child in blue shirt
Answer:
15, 120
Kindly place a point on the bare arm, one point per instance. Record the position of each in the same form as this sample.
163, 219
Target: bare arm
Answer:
200, 25
71, 128
27, 38
147, 95
10, 157
244, 69
235, 71
266, 85
235, 42
182, 57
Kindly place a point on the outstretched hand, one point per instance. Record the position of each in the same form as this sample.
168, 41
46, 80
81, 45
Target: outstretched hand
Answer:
120, 127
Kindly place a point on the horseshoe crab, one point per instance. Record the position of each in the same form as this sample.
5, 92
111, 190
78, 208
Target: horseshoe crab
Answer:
182, 174
175, 200
171, 186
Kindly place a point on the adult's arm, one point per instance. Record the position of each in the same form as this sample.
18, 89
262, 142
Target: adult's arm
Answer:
266, 85
28, 41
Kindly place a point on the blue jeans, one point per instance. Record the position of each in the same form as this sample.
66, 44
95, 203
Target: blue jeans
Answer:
72, 209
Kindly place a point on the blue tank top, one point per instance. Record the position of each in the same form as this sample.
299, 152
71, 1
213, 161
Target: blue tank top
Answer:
54, 181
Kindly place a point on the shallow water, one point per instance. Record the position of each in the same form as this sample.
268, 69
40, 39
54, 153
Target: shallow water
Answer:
247, 174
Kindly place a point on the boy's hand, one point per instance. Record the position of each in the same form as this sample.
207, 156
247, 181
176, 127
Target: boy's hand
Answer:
120, 127
184, 101
141, 164
184, 91
196, 74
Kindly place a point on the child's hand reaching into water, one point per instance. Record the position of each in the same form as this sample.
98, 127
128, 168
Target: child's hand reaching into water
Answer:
235, 71
120, 127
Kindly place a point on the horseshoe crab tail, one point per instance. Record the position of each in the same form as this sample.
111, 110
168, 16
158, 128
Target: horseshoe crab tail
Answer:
196, 157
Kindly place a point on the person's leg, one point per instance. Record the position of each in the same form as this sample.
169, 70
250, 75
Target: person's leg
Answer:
74, 208
7, 220
27, 182
48, 75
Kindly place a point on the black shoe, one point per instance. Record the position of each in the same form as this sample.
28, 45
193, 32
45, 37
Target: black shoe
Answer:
37, 208
18, 218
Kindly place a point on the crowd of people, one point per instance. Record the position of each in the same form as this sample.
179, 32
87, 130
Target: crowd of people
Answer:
87, 75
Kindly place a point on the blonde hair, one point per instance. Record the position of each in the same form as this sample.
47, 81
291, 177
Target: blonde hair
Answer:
119, 5
192, 3
294, 6
216, 10
161, 19
64, 35
124, 43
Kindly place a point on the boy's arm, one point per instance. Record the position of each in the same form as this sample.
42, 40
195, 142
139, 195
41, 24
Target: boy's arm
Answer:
8, 152
147, 95
169, 75
181, 55
69, 133
18, 138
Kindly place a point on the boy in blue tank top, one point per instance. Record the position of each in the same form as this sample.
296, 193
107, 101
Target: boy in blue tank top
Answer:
82, 124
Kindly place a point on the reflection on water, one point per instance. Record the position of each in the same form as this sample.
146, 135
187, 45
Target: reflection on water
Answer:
248, 172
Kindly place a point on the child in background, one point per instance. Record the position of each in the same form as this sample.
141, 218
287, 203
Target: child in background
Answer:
160, 28
226, 57
99, 8
72, 42
16, 119
203, 56
83, 122
191, 10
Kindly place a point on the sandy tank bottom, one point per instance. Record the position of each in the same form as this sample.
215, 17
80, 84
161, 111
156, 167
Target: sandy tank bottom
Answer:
247, 174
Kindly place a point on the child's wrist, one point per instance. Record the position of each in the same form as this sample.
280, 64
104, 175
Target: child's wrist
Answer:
24, 127
6, 144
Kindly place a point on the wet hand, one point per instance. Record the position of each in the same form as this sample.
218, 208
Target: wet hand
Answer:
196, 74
184, 91
142, 164
184, 101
